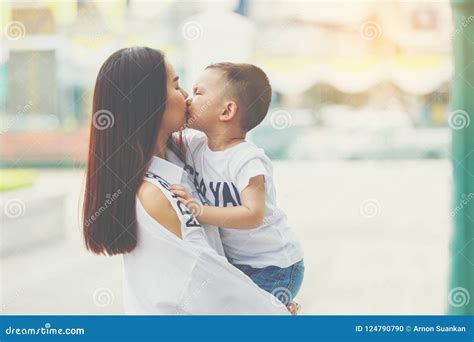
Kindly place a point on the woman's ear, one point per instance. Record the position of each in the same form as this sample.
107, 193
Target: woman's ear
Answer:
229, 111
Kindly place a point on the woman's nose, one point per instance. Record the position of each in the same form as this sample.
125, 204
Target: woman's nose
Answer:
185, 94
188, 101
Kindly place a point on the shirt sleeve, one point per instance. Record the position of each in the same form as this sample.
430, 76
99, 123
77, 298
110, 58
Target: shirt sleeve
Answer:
218, 288
251, 168
194, 138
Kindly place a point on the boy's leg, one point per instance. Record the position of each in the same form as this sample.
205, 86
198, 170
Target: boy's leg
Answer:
248, 270
283, 283
296, 278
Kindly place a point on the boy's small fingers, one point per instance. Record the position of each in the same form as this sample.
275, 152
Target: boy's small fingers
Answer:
183, 200
179, 198
180, 193
177, 187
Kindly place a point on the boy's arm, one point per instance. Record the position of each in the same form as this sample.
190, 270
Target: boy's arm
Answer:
249, 215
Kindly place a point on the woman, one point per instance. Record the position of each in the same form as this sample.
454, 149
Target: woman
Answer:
169, 266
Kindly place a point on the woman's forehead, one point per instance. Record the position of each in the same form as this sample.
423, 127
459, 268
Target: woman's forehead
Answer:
170, 71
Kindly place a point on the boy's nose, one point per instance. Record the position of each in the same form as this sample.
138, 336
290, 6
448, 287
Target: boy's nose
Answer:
188, 101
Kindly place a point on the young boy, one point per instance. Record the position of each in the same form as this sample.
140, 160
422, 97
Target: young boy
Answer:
235, 178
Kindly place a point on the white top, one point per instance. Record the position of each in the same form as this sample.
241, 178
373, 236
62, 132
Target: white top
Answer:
166, 275
220, 177
212, 232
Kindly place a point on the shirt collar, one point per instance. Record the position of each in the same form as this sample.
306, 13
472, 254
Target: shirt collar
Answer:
163, 168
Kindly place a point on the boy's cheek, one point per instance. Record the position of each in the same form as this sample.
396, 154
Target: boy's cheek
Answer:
192, 109
192, 113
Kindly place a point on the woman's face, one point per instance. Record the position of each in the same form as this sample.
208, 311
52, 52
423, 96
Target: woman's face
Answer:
174, 116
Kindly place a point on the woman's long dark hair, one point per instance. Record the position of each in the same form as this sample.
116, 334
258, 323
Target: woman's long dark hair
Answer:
128, 106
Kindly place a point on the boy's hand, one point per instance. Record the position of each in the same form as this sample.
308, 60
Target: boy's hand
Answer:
194, 206
180, 191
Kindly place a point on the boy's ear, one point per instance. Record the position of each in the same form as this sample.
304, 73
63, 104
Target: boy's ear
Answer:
229, 111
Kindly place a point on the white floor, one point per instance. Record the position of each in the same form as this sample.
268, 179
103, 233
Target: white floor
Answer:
376, 237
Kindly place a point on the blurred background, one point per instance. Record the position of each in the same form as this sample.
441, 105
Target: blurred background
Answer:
359, 131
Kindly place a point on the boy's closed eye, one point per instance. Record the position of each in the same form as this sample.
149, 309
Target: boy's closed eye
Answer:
197, 91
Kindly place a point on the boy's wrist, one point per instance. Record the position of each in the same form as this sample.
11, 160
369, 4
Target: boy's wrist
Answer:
195, 207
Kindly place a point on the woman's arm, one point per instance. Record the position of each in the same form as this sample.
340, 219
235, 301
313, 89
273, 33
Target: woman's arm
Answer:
249, 215
159, 207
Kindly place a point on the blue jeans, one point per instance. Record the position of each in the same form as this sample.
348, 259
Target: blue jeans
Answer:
283, 283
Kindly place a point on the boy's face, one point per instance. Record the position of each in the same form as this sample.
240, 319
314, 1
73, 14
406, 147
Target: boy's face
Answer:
207, 101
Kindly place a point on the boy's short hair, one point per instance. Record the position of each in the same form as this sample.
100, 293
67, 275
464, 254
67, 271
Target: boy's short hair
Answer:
251, 88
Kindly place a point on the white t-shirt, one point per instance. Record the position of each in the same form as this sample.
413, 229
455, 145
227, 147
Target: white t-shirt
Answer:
212, 233
166, 275
219, 178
